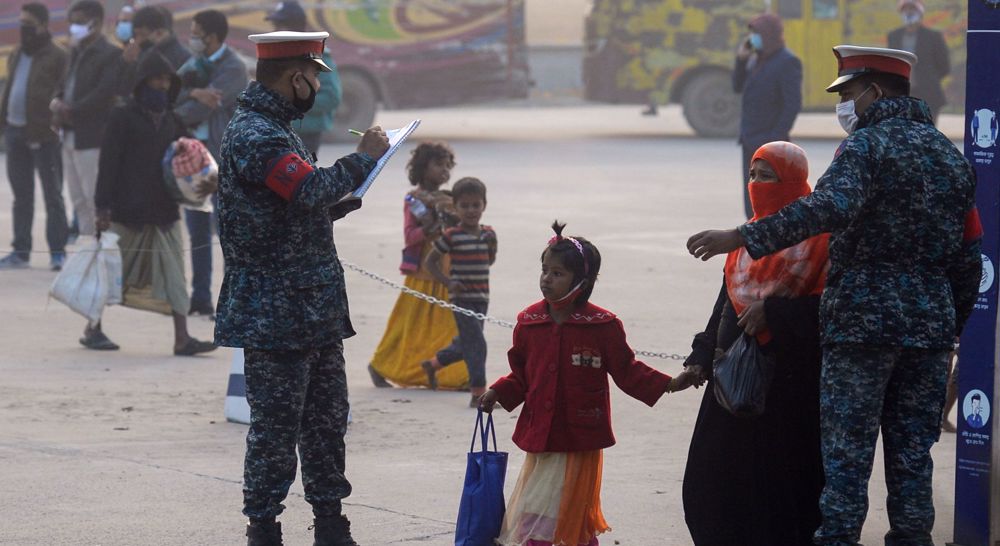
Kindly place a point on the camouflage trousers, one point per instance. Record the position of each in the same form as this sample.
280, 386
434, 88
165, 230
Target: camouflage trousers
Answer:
298, 399
862, 389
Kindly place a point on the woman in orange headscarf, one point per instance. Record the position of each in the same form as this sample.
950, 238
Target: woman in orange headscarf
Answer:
756, 481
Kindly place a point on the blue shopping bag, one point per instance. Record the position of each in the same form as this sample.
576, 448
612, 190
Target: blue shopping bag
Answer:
480, 513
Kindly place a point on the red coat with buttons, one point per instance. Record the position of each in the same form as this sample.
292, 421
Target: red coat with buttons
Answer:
560, 372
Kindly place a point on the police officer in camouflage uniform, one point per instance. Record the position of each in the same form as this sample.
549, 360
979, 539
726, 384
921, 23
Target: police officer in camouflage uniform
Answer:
898, 200
283, 299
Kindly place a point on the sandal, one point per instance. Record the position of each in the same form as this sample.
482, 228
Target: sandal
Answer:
194, 346
97, 341
432, 380
377, 379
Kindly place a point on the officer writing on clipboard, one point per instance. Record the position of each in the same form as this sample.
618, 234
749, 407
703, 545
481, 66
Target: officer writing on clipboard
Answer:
283, 299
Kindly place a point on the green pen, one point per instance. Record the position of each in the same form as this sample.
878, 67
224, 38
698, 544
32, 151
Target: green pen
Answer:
356, 132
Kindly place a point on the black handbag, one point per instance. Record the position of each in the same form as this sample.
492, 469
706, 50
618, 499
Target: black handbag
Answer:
742, 376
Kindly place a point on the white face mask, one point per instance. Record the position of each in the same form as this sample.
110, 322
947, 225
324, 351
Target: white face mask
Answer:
846, 114
77, 33
911, 17
196, 45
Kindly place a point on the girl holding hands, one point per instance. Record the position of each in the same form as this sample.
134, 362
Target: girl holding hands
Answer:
563, 352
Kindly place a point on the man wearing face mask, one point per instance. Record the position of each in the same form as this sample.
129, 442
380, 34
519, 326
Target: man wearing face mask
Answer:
123, 26
283, 299
150, 32
35, 69
905, 263
769, 78
929, 46
290, 16
81, 107
131, 49
133, 202
213, 78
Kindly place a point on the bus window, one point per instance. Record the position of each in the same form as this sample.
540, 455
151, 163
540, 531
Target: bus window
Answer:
790, 9
825, 9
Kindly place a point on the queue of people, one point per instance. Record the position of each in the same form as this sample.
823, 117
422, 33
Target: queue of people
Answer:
855, 289
57, 107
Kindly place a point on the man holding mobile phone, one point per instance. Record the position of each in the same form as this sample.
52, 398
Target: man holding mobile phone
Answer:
769, 77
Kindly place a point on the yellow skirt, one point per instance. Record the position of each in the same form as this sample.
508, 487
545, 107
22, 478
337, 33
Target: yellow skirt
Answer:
416, 331
556, 501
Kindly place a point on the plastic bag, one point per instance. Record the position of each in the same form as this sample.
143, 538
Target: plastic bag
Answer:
480, 513
91, 279
742, 377
187, 166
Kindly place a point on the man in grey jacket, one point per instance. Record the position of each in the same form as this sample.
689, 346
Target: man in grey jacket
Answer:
213, 78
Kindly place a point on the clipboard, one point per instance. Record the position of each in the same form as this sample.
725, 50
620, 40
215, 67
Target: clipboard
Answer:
396, 139
352, 201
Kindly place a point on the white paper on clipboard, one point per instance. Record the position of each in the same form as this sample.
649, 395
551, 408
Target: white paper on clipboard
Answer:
396, 139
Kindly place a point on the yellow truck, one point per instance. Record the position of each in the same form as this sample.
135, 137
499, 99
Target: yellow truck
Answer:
682, 51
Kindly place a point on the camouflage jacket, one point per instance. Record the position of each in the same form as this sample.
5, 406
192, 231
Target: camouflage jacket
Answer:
898, 200
284, 286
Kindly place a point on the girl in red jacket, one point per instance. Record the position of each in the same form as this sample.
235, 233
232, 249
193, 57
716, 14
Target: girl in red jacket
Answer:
564, 349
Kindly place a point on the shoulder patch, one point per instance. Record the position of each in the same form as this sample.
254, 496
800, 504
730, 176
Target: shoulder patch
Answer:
286, 173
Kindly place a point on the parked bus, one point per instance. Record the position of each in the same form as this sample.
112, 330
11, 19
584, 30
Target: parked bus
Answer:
682, 51
397, 53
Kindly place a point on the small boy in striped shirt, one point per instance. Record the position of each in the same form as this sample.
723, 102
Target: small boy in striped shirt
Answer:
473, 249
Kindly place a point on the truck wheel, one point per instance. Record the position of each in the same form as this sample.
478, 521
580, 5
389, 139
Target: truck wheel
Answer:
357, 106
710, 106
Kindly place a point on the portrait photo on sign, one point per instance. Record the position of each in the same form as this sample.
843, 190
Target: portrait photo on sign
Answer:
976, 409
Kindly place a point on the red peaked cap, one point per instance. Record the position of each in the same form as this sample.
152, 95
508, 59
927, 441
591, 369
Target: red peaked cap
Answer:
872, 63
287, 45
854, 61
304, 49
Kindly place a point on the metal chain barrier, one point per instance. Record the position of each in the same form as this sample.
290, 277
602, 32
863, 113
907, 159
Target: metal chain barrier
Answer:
420, 295
470, 313
425, 297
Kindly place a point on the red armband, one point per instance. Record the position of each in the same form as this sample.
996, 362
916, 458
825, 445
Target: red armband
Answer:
285, 174
973, 228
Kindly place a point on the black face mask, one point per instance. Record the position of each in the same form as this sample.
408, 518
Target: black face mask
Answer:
32, 38
154, 100
306, 104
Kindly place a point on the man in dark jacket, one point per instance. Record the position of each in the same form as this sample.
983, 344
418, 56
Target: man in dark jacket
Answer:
769, 77
929, 47
152, 33
132, 201
35, 69
212, 81
905, 265
81, 108
283, 299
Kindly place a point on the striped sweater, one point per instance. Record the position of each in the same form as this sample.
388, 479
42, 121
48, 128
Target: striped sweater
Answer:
471, 257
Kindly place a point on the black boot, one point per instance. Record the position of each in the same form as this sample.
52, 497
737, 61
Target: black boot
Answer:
264, 533
332, 531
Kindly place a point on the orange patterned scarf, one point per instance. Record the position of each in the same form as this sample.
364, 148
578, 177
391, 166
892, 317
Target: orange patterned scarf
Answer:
799, 270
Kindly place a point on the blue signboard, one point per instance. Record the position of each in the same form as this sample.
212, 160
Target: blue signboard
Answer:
979, 344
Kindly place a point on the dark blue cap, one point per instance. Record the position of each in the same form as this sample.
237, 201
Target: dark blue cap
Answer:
287, 12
